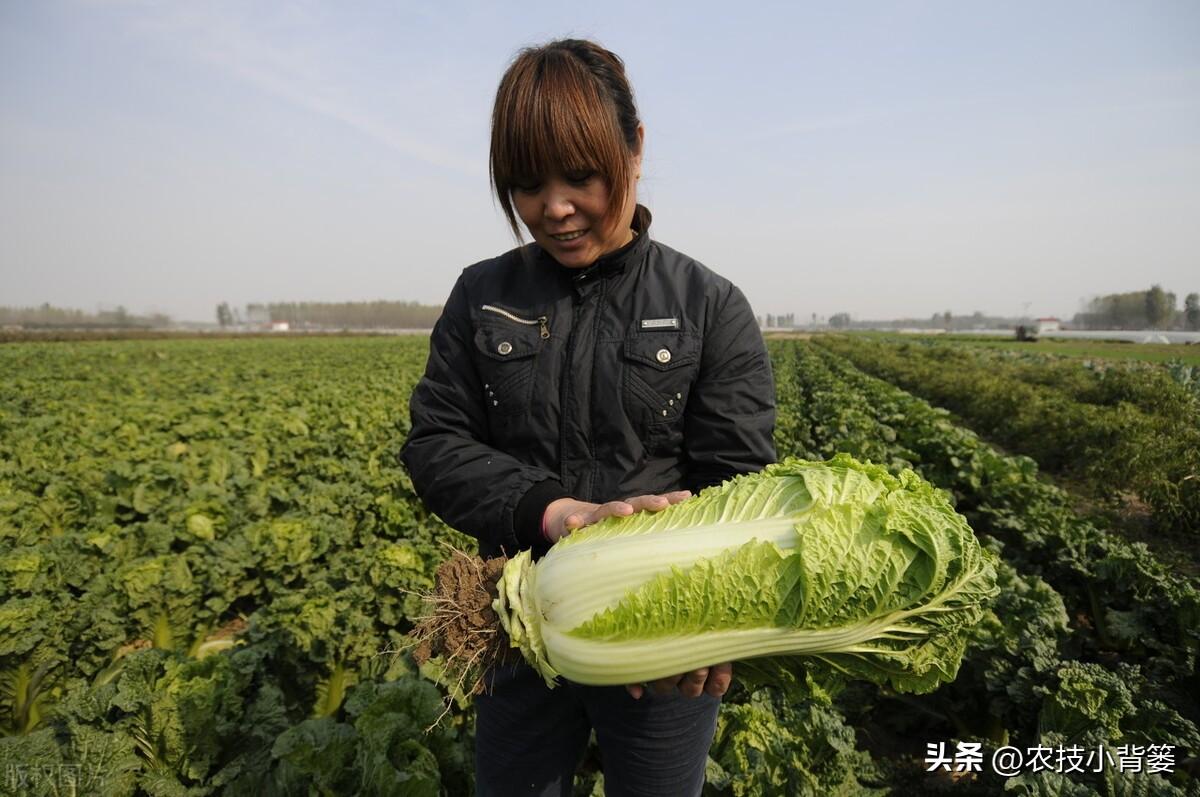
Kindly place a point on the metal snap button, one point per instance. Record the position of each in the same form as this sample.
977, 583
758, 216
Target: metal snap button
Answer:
678, 395
504, 348
663, 356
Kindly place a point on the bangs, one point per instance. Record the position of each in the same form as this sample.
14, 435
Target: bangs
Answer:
551, 117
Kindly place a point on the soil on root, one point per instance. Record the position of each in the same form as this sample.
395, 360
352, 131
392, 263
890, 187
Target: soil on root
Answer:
461, 627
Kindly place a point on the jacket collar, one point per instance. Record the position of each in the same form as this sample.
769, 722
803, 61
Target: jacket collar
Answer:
614, 262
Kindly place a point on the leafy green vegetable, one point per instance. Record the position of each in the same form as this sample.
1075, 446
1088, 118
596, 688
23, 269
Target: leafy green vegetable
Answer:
386, 750
873, 574
795, 743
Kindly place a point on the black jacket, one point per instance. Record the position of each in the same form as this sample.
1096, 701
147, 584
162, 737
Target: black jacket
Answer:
643, 373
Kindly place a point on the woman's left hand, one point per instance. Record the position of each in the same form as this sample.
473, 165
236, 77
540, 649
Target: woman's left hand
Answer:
712, 680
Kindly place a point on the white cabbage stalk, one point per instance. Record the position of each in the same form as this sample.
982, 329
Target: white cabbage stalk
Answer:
874, 575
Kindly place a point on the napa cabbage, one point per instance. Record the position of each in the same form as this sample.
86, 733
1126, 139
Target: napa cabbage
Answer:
871, 574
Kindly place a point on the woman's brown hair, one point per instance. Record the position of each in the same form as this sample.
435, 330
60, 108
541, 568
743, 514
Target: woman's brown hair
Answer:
564, 107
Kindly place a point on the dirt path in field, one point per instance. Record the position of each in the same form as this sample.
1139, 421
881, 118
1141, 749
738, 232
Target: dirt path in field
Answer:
1128, 516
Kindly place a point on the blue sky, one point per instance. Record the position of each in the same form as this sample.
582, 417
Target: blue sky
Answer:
882, 159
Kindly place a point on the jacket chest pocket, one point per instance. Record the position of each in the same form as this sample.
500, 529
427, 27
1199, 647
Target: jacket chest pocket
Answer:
660, 369
506, 354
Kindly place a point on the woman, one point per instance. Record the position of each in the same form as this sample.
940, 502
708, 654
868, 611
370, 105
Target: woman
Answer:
592, 365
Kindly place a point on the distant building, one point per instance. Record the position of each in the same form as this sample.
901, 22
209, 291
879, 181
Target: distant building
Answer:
279, 326
1045, 325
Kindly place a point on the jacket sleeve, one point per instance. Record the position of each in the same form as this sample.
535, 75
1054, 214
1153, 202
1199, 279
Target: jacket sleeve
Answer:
474, 487
730, 418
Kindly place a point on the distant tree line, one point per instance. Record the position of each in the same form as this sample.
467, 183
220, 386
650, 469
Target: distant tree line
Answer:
943, 320
334, 315
781, 321
1150, 309
49, 317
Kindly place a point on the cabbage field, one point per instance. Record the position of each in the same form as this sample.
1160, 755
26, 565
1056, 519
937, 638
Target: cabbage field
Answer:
210, 559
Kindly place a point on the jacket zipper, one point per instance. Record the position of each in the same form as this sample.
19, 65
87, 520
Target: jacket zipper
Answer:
592, 420
540, 321
565, 390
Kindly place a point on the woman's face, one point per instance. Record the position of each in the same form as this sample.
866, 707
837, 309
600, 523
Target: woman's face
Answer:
565, 212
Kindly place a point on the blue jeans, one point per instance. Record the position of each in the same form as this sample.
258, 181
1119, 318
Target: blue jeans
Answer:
529, 739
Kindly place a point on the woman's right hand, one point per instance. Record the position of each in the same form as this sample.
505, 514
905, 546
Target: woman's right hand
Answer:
566, 514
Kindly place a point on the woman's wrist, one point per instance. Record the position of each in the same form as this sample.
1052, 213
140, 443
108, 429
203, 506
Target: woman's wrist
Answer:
529, 520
